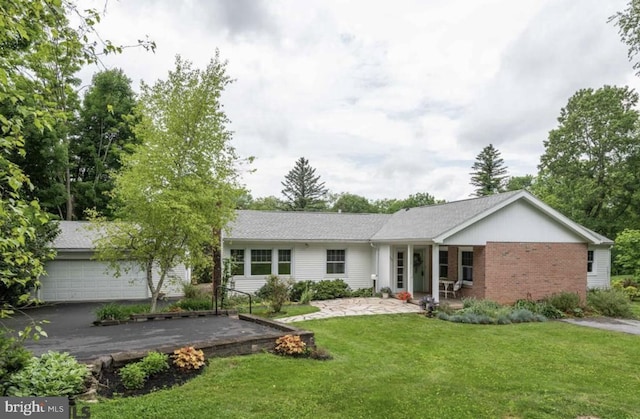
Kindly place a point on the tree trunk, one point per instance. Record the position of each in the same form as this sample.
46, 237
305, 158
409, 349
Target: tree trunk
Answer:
154, 291
69, 197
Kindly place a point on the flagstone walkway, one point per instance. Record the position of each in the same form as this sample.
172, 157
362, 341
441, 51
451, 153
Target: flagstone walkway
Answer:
354, 307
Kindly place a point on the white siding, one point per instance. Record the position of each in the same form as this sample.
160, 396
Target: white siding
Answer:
385, 265
308, 262
518, 222
76, 279
601, 275
86, 280
173, 283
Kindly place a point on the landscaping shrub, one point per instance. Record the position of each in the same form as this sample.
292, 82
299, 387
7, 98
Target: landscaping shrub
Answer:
306, 296
610, 302
290, 345
195, 304
13, 358
188, 358
629, 285
155, 362
276, 292
489, 312
564, 301
446, 308
52, 374
362, 292
521, 315
543, 308
300, 287
115, 311
193, 292
483, 307
328, 289
133, 376
239, 302
111, 311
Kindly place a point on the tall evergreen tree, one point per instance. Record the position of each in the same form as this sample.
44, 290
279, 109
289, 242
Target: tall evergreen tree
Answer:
303, 189
102, 135
489, 172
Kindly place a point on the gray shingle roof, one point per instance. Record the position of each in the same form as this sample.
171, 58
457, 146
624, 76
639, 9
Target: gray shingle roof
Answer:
74, 236
422, 223
304, 226
428, 222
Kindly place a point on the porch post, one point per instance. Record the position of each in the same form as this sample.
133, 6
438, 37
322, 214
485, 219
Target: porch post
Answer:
435, 271
409, 286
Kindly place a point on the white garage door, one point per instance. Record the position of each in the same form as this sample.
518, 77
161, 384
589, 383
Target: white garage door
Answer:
86, 280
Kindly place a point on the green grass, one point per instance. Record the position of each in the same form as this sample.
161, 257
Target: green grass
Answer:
617, 277
399, 366
635, 307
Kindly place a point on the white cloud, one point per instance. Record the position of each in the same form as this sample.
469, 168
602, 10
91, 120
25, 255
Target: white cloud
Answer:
385, 99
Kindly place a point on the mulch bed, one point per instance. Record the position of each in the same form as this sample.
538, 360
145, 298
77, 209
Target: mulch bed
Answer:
111, 385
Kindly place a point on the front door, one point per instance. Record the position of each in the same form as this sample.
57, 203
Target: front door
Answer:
419, 271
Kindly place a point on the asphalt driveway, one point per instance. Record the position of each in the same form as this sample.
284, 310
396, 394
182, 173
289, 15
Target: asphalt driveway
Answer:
607, 323
70, 329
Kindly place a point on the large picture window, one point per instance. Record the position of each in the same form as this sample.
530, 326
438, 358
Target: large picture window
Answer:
284, 262
335, 261
261, 262
237, 259
466, 265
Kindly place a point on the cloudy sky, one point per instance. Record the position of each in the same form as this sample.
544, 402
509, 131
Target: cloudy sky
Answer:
385, 98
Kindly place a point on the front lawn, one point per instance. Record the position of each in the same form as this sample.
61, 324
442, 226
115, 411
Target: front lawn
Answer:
399, 366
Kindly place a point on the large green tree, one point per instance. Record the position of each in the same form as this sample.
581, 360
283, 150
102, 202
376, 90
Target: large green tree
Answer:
43, 158
420, 199
590, 169
351, 203
101, 136
489, 172
628, 252
303, 189
515, 183
628, 23
32, 94
179, 187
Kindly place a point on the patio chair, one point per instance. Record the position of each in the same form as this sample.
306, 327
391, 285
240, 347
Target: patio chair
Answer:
457, 287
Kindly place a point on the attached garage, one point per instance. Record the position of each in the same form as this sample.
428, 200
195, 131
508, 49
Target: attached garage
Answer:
75, 276
84, 280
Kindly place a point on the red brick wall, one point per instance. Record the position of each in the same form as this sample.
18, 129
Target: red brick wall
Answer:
452, 255
532, 270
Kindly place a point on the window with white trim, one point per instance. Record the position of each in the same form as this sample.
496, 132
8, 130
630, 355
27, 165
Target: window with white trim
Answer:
590, 261
261, 262
336, 259
466, 265
284, 262
237, 260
